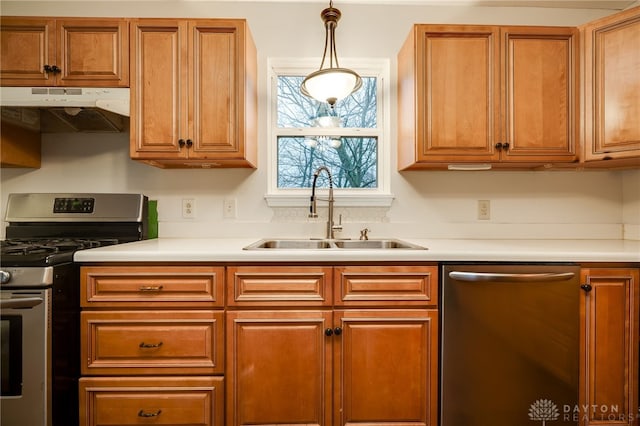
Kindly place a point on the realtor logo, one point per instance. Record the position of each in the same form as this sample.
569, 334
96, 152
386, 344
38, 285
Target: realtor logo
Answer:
543, 409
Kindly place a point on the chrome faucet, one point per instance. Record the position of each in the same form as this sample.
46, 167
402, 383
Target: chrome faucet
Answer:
331, 227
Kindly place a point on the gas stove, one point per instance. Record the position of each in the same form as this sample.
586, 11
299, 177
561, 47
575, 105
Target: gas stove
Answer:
45, 252
47, 229
43, 233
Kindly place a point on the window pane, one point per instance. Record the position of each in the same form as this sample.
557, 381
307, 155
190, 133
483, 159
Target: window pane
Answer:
353, 161
296, 110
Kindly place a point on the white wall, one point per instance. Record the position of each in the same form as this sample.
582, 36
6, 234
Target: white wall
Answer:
570, 204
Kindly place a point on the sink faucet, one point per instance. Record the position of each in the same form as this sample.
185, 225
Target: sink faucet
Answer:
331, 227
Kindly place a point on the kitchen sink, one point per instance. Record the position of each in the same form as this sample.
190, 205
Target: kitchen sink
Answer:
289, 244
376, 244
311, 244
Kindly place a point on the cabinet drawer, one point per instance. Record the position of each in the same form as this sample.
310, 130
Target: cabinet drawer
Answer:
386, 285
279, 286
175, 401
136, 286
147, 342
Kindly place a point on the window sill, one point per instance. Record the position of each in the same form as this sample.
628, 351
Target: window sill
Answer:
341, 200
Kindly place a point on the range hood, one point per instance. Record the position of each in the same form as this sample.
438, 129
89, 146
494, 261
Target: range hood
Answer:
66, 109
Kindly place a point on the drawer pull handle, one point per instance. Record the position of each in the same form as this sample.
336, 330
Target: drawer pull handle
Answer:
151, 288
150, 345
141, 413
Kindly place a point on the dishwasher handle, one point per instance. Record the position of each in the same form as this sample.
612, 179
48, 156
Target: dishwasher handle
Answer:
500, 277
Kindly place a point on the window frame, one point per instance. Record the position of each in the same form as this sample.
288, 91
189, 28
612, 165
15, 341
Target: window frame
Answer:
347, 197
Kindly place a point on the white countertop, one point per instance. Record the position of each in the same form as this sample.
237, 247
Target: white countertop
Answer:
231, 250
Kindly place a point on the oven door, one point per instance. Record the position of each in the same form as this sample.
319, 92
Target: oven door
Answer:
25, 394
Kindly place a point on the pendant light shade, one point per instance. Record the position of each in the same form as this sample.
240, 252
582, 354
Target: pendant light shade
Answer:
332, 83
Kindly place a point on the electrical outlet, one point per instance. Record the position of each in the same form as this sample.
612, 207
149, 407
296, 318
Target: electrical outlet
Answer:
484, 209
188, 208
229, 208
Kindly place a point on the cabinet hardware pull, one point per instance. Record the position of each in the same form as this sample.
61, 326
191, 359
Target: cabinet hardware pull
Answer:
141, 413
189, 143
505, 146
328, 332
499, 146
337, 331
52, 69
150, 345
586, 287
181, 142
484, 276
151, 288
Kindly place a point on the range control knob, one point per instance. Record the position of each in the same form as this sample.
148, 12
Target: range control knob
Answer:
5, 277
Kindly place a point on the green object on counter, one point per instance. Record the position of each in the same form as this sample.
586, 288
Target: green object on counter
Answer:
152, 232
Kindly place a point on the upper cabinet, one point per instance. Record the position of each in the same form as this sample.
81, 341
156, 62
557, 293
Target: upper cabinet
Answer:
612, 90
64, 52
193, 93
506, 96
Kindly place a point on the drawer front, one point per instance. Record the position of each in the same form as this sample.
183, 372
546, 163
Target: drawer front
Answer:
279, 286
386, 285
175, 401
146, 342
136, 286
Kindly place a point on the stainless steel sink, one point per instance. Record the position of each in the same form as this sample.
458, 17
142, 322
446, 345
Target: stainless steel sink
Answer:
309, 244
376, 244
289, 244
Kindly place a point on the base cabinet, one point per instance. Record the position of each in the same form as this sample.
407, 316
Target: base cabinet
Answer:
609, 347
152, 346
368, 355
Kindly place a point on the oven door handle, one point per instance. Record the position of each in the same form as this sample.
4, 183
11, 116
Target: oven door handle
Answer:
20, 303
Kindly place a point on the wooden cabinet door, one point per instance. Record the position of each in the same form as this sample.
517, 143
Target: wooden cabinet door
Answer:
539, 94
222, 93
159, 96
213, 113
386, 369
213, 106
27, 45
449, 95
609, 347
93, 52
612, 88
278, 367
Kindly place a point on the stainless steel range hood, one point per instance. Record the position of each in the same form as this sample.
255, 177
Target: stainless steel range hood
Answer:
70, 109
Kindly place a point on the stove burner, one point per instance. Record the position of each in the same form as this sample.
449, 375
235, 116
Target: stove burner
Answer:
47, 251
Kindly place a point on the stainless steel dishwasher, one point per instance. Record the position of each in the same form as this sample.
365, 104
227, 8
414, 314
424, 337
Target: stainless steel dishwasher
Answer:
510, 344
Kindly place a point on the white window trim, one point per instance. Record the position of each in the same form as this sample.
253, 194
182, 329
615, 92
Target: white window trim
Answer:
378, 197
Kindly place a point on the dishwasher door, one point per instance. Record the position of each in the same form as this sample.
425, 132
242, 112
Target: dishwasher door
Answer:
510, 344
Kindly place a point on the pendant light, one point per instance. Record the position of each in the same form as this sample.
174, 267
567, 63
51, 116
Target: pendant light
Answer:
333, 83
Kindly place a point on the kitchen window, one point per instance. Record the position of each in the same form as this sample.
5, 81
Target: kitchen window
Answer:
351, 139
